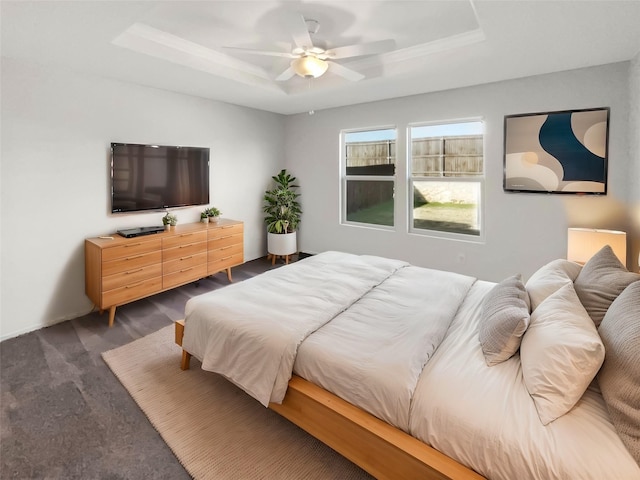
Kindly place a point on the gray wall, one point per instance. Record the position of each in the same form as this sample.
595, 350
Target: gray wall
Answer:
56, 132
523, 231
57, 126
634, 155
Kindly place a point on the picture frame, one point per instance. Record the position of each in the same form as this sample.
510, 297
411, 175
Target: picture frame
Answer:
564, 152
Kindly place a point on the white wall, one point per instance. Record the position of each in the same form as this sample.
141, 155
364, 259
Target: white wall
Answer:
634, 154
56, 132
523, 231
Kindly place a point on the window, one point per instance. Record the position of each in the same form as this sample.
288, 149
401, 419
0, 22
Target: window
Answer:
446, 169
369, 176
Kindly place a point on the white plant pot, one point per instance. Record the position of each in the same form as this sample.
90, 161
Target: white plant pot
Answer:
282, 243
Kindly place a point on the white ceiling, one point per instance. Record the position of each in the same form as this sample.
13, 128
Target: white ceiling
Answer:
179, 45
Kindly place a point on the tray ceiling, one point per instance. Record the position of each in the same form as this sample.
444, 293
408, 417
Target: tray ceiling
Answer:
181, 45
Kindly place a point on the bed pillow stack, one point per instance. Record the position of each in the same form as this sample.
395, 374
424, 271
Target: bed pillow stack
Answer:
504, 319
562, 350
619, 377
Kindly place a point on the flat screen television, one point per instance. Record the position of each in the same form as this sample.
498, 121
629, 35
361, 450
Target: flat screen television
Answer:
156, 177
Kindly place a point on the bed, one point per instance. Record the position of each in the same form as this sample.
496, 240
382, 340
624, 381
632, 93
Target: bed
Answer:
405, 371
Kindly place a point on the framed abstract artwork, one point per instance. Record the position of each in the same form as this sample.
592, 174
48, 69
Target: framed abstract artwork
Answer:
557, 152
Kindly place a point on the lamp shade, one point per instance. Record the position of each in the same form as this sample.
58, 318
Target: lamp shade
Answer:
309, 66
583, 243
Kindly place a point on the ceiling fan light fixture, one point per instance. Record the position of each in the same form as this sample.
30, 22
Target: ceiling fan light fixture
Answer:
309, 66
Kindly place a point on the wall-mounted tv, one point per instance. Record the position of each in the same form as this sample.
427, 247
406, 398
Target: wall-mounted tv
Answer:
557, 152
156, 177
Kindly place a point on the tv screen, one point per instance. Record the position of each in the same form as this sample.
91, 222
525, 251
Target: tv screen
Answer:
156, 177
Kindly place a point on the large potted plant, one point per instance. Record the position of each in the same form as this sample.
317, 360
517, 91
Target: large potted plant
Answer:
282, 217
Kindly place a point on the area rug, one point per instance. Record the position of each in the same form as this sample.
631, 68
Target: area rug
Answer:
215, 429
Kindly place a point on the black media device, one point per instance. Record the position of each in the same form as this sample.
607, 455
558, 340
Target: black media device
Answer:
157, 177
137, 232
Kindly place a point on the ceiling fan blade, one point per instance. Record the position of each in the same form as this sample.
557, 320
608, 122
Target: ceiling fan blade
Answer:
345, 72
371, 48
286, 75
261, 52
300, 32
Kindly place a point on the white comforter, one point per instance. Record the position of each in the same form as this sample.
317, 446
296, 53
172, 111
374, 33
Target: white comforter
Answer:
250, 332
372, 354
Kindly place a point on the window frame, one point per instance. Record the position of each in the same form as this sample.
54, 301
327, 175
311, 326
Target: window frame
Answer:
479, 179
344, 178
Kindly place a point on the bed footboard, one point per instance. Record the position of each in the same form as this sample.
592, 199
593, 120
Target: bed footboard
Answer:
375, 446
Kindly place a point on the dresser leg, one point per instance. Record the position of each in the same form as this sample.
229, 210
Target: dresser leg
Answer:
112, 315
229, 274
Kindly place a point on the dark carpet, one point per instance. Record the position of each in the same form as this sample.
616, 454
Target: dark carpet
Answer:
64, 415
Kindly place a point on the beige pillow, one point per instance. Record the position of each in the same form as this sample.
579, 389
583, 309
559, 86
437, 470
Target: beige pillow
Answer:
619, 377
601, 280
550, 278
560, 354
504, 319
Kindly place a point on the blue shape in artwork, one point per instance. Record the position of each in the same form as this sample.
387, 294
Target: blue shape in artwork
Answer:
579, 164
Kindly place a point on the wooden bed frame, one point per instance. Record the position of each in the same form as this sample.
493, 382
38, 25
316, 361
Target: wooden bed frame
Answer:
375, 446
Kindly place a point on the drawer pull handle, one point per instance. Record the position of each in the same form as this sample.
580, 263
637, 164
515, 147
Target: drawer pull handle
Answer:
186, 270
186, 258
134, 271
226, 248
133, 258
186, 234
127, 245
226, 258
134, 286
229, 226
226, 236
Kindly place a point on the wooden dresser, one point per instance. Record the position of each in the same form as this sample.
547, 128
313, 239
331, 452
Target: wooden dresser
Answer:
120, 270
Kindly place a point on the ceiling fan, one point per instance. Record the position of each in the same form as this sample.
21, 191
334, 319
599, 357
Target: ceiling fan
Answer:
310, 61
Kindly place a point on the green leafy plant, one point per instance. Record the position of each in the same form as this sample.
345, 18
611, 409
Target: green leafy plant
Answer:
204, 215
170, 219
213, 212
281, 204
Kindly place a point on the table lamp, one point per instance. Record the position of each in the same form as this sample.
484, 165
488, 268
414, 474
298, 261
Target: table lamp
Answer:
583, 243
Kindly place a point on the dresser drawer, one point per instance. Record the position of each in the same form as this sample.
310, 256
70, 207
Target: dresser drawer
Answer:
130, 292
129, 277
223, 231
131, 248
182, 251
184, 239
225, 241
185, 275
223, 252
184, 262
132, 262
223, 262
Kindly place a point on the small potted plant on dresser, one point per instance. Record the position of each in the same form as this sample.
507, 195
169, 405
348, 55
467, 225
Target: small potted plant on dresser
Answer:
214, 214
282, 217
169, 220
204, 217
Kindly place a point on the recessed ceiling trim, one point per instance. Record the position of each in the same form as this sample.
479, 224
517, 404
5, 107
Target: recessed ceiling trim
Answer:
422, 50
151, 41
